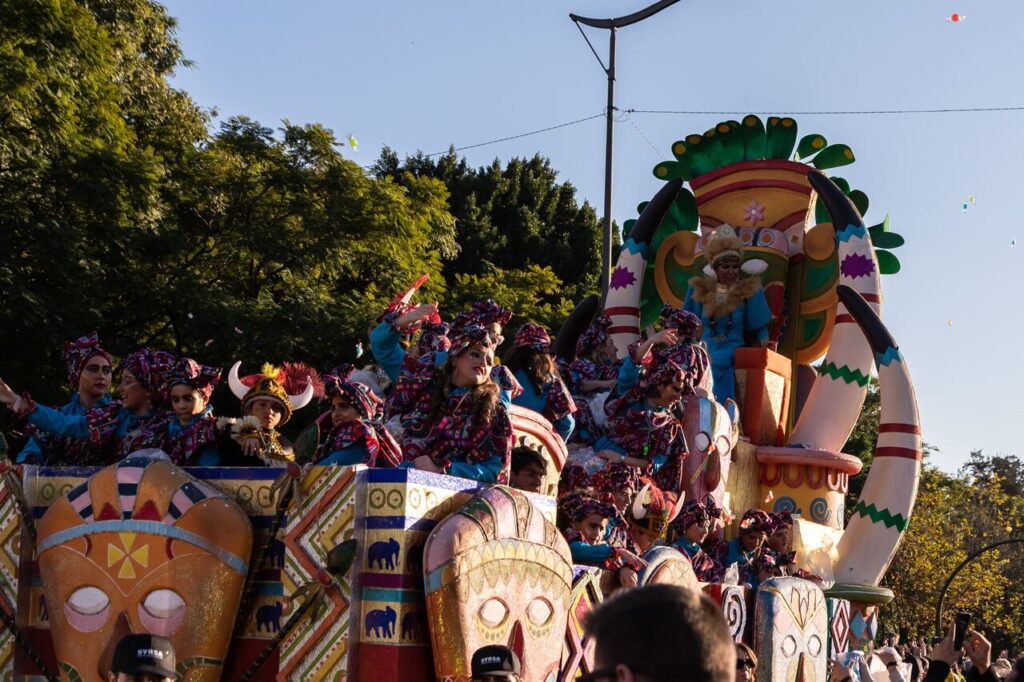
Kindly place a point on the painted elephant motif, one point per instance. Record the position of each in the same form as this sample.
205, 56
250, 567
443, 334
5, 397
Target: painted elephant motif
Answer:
381, 619
269, 616
384, 554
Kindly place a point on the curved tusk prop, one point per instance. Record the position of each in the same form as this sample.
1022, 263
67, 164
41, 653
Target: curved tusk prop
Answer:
236, 385
835, 400
622, 303
301, 400
564, 345
639, 508
883, 512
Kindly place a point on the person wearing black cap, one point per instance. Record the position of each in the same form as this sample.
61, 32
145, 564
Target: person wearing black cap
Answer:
496, 663
143, 658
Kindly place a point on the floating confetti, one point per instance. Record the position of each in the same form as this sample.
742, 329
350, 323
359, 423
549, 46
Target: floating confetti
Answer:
1013, 243
238, 331
208, 342
359, 349
769, 497
956, 18
353, 142
949, 322
190, 316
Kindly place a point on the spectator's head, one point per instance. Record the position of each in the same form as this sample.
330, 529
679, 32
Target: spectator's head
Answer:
143, 658
655, 633
1017, 674
528, 469
495, 663
746, 663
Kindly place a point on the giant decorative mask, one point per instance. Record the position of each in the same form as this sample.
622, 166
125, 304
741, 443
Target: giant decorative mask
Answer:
791, 631
710, 431
497, 572
143, 547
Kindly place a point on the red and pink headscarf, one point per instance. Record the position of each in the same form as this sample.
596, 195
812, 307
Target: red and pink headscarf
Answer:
482, 313
359, 395
467, 337
533, 336
756, 520
78, 352
189, 372
579, 505
149, 367
683, 321
434, 337
595, 336
696, 512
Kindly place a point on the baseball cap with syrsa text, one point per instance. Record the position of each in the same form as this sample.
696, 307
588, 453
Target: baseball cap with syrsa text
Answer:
137, 654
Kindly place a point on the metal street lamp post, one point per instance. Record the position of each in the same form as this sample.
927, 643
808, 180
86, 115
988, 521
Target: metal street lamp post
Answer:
612, 25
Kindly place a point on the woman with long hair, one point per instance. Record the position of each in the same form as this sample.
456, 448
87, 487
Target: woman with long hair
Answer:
531, 364
454, 414
591, 377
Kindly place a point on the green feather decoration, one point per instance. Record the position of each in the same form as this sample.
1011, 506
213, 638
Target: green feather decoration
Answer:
753, 134
860, 200
888, 263
781, 138
833, 156
810, 145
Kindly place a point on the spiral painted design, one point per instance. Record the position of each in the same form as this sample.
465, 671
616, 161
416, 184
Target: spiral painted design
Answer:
820, 511
786, 504
734, 608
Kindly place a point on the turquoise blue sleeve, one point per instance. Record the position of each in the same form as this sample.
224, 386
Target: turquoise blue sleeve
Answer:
657, 462
565, 425
758, 316
629, 375
486, 471
208, 456
589, 555
692, 306
31, 451
387, 349
347, 456
57, 424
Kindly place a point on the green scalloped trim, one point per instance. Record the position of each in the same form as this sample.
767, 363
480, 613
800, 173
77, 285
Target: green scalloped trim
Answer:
845, 373
884, 516
71, 672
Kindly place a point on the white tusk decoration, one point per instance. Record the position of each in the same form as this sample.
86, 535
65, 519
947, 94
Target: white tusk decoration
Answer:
237, 387
301, 400
754, 266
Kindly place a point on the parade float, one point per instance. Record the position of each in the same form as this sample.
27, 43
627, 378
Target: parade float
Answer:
349, 573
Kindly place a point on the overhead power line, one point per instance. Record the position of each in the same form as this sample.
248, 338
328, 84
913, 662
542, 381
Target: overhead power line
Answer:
852, 112
516, 137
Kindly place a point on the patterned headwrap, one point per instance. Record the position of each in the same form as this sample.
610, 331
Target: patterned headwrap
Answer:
683, 321
696, 512
149, 367
756, 520
434, 337
579, 505
662, 370
359, 395
402, 303
199, 377
533, 336
335, 377
770, 561
481, 313
465, 338
616, 477
595, 336
78, 352
782, 519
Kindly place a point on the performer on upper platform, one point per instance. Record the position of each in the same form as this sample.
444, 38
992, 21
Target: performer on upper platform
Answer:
731, 309
531, 363
356, 435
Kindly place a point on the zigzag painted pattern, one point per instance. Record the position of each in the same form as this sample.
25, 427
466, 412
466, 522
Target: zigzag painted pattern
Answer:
882, 516
845, 373
851, 231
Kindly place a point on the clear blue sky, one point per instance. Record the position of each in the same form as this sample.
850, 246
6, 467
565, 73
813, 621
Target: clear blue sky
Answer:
421, 76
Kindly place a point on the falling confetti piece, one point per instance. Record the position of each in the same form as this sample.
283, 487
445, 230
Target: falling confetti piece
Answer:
190, 316
1013, 242
956, 18
970, 198
769, 497
237, 330
208, 342
359, 349
949, 322
353, 142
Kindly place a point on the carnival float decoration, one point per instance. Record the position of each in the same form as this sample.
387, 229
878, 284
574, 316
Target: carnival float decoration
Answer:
349, 573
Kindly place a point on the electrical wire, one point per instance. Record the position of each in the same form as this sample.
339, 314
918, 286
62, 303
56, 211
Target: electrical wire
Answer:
516, 137
851, 112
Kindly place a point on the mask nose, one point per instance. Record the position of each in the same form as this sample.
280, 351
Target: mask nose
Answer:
121, 630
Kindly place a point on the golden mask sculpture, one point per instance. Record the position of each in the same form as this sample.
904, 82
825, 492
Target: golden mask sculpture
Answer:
497, 572
143, 547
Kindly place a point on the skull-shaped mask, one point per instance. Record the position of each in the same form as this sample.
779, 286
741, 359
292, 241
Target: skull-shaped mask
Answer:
497, 572
143, 547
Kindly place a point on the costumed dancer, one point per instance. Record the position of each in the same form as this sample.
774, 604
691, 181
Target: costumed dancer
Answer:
268, 401
693, 526
586, 520
619, 485
531, 363
356, 435
687, 352
642, 430
455, 414
81, 432
390, 336
741, 550
651, 513
141, 406
190, 433
768, 565
591, 377
731, 309
780, 539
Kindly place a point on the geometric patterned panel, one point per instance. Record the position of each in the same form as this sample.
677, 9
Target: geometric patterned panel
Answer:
838, 627
578, 654
10, 549
324, 518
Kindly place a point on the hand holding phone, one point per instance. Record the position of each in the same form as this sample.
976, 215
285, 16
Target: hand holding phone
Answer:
961, 624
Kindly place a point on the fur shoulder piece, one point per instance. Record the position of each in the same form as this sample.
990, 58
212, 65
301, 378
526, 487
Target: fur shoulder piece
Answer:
705, 292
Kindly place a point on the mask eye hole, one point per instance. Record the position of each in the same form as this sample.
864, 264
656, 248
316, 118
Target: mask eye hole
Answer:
701, 442
87, 608
539, 611
788, 646
722, 445
814, 645
493, 612
162, 611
